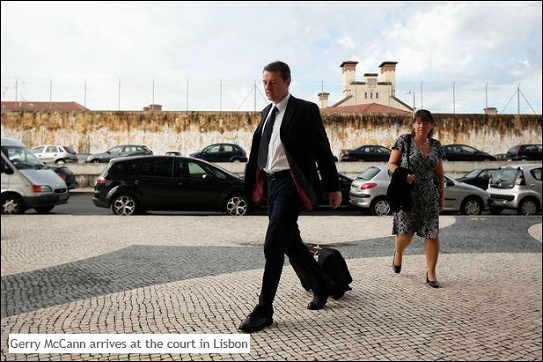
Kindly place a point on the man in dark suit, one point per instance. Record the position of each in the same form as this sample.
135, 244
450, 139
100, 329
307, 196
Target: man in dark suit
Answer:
287, 179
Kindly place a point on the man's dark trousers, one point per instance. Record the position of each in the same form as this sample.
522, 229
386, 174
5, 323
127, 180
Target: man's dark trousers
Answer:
283, 237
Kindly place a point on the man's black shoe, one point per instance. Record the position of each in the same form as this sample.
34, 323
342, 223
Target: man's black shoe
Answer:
318, 302
254, 323
337, 294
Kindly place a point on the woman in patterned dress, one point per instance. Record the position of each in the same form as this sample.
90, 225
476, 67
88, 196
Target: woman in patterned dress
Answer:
426, 181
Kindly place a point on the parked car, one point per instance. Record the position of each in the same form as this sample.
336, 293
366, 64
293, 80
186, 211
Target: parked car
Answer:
345, 186
26, 182
173, 153
478, 177
516, 187
137, 184
531, 152
222, 152
66, 174
368, 153
119, 151
55, 153
82, 157
457, 152
369, 193
324, 201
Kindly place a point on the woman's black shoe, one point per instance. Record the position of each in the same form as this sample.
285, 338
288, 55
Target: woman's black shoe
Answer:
432, 283
396, 268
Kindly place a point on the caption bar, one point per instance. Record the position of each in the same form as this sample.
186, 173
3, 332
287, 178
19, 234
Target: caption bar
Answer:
129, 343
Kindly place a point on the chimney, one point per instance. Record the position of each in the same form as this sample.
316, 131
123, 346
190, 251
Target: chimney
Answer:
349, 76
153, 107
388, 74
323, 99
491, 110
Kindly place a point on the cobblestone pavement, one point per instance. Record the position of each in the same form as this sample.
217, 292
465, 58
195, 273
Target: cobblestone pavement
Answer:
172, 274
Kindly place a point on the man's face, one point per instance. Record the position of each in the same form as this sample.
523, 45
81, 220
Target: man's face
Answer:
276, 88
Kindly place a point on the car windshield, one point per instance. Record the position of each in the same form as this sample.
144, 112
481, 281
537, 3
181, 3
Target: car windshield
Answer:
70, 150
504, 178
472, 173
22, 158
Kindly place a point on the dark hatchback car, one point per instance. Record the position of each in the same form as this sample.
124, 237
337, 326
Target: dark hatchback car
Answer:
345, 185
119, 151
222, 152
66, 174
137, 184
532, 152
368, 153
478, 177
459, 152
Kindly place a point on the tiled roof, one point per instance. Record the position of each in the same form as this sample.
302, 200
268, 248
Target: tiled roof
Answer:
366, 108
42, 106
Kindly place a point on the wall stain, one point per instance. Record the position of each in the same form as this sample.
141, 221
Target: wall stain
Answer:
97, 131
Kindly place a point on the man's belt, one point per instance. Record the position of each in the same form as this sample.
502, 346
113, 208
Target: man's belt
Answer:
278, 174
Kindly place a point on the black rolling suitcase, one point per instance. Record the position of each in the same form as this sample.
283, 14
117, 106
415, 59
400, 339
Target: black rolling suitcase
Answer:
334, 266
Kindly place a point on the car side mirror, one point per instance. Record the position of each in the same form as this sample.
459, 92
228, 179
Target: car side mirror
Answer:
6, 169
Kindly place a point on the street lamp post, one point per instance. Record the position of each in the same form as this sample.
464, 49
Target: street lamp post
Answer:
411, 92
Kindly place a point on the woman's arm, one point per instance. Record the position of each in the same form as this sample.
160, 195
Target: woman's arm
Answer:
441, 178
394, 160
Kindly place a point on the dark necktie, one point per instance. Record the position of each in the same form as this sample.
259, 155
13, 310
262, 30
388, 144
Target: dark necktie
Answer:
265, 140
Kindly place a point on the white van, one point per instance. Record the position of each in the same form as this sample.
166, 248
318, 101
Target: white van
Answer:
27, 183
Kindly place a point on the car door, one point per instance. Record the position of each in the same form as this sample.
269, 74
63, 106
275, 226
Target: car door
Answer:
452, 196
361, 153
50, 154
39, 152
531, 152
113, 152
213, 153
382, 154
535, 180
227, 152
156, 184
203, 186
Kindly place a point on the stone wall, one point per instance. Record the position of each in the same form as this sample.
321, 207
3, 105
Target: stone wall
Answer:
90, 132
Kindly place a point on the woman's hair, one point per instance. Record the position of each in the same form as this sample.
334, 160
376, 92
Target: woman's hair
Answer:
425, 116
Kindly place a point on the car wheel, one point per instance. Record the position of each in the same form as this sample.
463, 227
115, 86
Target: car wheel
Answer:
471, 206
528, 206
43, 209
236, 206
12, 204
124, 204
380, 207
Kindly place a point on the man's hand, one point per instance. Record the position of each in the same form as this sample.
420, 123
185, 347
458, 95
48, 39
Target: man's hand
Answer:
335, 198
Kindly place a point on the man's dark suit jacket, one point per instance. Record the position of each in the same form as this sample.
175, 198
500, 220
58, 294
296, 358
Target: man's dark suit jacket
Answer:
306, 146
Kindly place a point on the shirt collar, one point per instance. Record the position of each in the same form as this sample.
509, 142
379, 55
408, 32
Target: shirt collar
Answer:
281, 106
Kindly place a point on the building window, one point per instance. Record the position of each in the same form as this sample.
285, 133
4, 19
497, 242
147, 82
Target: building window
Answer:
366, 95
376, 95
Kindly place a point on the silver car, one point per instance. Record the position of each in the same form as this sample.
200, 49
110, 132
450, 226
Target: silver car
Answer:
369, 193
516, 187
55, 153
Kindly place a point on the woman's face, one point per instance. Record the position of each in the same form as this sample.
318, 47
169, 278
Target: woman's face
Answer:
422, 128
